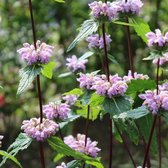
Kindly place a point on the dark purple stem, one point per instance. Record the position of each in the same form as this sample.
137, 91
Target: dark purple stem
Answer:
61, 135
130, 48
125, 144
159, 142
38, 85
155, 119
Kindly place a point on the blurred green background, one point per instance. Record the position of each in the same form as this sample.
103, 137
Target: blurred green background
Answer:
56, 24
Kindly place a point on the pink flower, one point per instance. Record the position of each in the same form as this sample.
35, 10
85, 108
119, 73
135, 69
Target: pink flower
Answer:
156, 38
131, 6
53, 110
39, 131
163, 59
97, 42
70, 99
78, 144
40, 55
129, 77
73, 64
63, 165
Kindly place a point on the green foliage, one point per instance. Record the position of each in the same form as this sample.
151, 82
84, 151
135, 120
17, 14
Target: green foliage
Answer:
11, 157
21, 143
141, 28
58, 157
96, 99
123, 23
63, 75
145, 125
86, 55
153, 55
47, 69
76, 91
112, 59
74, 164
138, 86
133, 114
116, 105
58, 145
60, 1
27, 75
88, 27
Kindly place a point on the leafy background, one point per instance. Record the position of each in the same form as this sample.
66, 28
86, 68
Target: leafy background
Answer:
56, 24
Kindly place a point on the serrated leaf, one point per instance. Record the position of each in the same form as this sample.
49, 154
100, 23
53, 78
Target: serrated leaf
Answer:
141, 28
76, 91
22, 142
74, 164
47, 69
153, 55
138, 86
58, 145
60, 1
9, 156
145, 125
116, 105
112, 59
70, 118
27, 75
65, 74
96, 100
133, 114
88, 27
86, 55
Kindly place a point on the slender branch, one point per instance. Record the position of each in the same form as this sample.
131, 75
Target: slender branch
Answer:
61, 135
155, 118
125, 144
38, 85
159, 141
131, 62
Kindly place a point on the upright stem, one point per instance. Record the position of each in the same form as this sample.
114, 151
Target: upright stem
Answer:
125, 145
106, 65
159, 142
130, 48
155, 118
38, 85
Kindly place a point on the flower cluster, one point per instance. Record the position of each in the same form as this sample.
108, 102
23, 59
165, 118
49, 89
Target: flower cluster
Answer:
97, 42
63, 165
156, 101
99, 83
39, 55
1, 137
157, 38
56, 110
78, 144
70, 99
163, 59
39, 131
74, 64
130, 6
108, 10
129, 77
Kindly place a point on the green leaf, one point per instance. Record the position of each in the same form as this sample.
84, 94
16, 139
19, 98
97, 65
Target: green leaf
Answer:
27, 75
70, 118
116, 105
22, 142
74, 164
58, 145
133, 114
86, 55
47, 69
58, 157
141, 28
1, 87
123, 23
116, 133
112, 59
153, 55
60, 1
85, 98
138, 86
88, 27
65, 74
96, 100
9, 156
145, 125
76, 91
